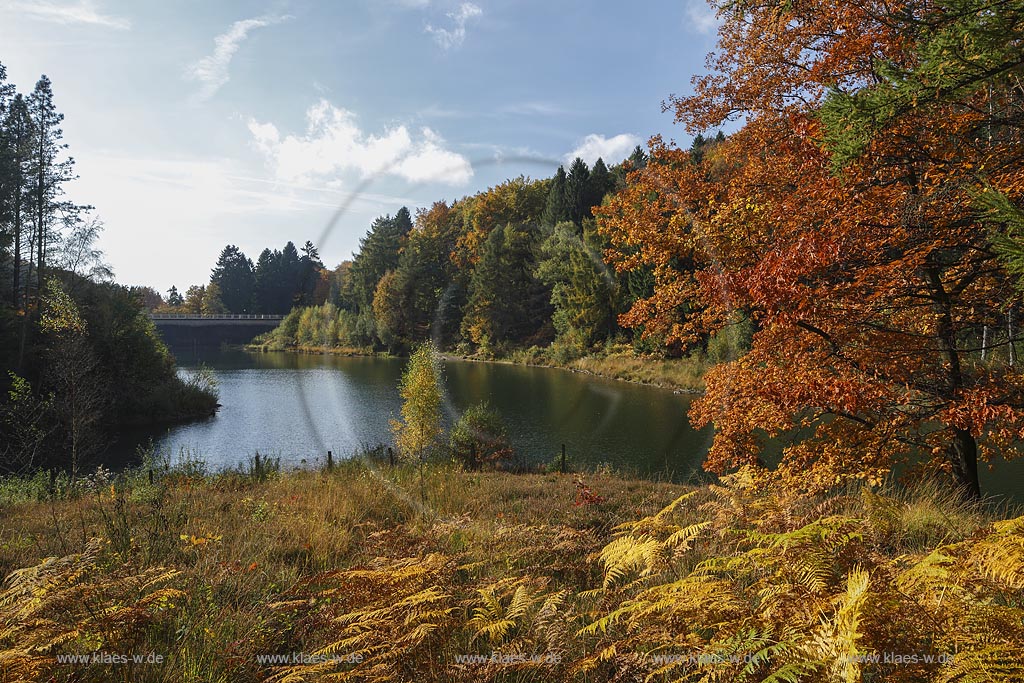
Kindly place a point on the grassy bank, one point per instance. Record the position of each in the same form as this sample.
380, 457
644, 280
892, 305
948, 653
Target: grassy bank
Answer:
499, 577
617, 363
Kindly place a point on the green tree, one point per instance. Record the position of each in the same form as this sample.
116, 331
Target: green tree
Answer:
194, 297
174, 298
583, 291
48, 171
233, 276
578, 191
378, 253
213, 304
507, 303
600, 183
15, 150
556, 209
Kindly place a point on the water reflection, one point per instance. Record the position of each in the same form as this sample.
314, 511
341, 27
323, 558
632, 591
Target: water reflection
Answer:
297, 407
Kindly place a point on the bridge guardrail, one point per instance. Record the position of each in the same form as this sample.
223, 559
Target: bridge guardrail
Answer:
224, 316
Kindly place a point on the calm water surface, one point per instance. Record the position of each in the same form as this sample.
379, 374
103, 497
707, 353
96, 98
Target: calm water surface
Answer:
297, 407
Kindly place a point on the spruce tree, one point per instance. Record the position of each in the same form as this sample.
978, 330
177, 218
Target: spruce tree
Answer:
556, 209
577, 189
233, 276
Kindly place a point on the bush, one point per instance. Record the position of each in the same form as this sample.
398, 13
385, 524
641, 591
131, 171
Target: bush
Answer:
480, 438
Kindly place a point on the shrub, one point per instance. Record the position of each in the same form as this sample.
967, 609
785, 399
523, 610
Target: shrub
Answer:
480, 438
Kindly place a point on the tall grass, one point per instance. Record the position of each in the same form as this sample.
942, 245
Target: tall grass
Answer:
215, 570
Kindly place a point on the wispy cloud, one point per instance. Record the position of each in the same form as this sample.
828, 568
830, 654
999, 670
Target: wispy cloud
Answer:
333, 144
454, 37
701, 16
532, 109
81, 12
612, 150
212, 71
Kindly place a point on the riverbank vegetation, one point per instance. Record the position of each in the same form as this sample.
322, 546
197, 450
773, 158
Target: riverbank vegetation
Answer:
500, 577
78, 356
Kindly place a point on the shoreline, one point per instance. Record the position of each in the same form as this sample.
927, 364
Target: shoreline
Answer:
665, 383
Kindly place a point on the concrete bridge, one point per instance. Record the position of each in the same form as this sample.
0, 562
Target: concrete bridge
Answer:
194, 330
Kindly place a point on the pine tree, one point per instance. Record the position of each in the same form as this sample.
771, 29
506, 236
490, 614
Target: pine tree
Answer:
638, 159
174, 298
557, 208
15, 147
577, 190
507, 303
265, 275
378, 253
47, 173
233, 275
600, 184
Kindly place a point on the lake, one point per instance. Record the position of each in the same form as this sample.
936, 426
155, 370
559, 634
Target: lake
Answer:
296, 407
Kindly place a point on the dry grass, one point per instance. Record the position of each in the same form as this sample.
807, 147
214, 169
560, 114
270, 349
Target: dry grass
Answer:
213, 572
682, 374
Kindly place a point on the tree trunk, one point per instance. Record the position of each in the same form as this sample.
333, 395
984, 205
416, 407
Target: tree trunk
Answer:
963, 455
1009, 332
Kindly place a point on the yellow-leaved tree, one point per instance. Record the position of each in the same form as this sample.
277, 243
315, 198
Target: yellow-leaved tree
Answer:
420, 429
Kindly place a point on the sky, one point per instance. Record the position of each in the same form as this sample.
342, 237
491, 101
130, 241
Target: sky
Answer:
197, 124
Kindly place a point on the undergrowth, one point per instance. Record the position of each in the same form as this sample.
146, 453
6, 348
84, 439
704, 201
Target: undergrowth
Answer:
502, 578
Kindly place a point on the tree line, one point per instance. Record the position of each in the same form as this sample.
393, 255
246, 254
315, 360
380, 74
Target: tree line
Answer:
280, 280
520, 264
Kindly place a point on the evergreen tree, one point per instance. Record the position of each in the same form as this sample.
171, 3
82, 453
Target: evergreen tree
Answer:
557, 208
583, 289
47, 174
174, 298
309, 274
378, 253
15, 148
233, 276
638, 159
265, 276
289, 277
577, 190
601, 183
507, 303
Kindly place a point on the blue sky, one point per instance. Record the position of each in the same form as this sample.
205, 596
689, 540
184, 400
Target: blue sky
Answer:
195, 124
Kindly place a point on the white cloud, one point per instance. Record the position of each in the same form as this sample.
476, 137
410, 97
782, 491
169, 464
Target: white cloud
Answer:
453, 38
701, 16
612, 150
81, 12
212, 71
333, 143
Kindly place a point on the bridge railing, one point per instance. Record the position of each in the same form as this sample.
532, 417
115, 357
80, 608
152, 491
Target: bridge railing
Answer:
214, 316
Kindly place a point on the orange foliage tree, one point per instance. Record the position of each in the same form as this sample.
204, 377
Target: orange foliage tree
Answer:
846, 217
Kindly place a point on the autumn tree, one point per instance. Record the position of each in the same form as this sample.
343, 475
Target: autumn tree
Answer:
420, 429
73, 371
844, 217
